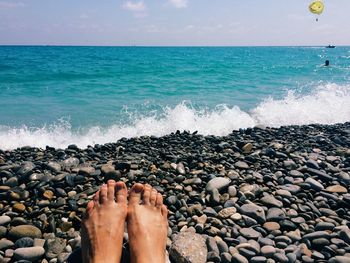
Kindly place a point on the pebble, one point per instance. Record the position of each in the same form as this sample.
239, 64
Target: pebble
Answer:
218, 183
24, 231
337, 189
188, 246
4, 220
254, 211
29, 253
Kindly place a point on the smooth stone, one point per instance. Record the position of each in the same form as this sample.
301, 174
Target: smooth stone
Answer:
270, 226
53, 247
18, 207
241, 165
71, 162
218, 183
317, 186
24, 242
227, 212
250, 233
26, 168
48, 194
4, 220
258, 259
254, 211
3, 231
247, 148
316, 234
339, 259
344, 234
232, 191
268, 251
188, 247
5, 244
24, 231
237, 258
226, 257
29, 253
281, 258
275, 214
269, 200
337, 189
54, 167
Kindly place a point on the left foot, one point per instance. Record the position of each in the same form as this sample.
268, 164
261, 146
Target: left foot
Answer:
103, 227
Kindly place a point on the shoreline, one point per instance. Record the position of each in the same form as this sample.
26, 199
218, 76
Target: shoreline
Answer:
256, 194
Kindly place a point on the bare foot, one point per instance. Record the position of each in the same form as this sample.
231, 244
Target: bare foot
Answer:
147, 225
103, 228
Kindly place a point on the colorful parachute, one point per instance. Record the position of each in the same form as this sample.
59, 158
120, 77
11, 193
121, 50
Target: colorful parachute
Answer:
316, 7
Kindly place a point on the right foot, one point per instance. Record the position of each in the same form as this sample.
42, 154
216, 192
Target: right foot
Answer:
147, 225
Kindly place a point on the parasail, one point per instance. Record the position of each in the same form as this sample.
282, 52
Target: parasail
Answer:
316, 7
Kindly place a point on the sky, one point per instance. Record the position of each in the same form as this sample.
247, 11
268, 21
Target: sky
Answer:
172, 22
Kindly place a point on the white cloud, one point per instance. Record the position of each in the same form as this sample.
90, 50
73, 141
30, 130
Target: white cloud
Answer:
135, 6
179, 3
11, 4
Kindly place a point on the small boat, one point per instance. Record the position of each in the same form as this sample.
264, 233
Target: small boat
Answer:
330, 46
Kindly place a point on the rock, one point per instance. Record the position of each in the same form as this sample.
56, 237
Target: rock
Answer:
232, 191
219, 183
237, 258
344, 234
227, 212
337, 189
54, 167
24, 242
26, 168
5, 244
269, 200
241, 165
18, 207
249, 233
270, 226
24, 231
268, 251
188, 248
339, 259
247, 148
48, 194
314, 184
70, 163
54, 247
4, 220
253, 211
3, 231
29, 253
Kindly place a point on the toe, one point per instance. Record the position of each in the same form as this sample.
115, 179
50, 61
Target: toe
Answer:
103, 194
111, 190
135, 194
159, 201
96, 198
153, 197
90, 207
165, 212
146, 195
120, 192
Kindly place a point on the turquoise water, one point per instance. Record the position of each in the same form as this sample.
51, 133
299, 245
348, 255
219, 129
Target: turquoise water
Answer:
87, 95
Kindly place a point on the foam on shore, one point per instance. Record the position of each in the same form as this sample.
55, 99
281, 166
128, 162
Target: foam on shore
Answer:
327, 104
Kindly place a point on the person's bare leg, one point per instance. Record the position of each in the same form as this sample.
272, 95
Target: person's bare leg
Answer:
147, 225
103, 227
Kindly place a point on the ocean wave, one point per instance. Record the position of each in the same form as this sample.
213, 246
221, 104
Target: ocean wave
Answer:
327, 104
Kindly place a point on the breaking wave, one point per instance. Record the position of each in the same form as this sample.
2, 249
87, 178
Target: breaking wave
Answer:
327, 104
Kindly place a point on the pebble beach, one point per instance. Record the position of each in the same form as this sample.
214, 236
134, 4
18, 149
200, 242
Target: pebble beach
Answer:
255, 195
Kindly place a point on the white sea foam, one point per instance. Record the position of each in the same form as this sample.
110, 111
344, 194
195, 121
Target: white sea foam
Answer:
327, 104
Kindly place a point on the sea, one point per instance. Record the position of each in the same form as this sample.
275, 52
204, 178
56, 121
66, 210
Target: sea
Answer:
62, 95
